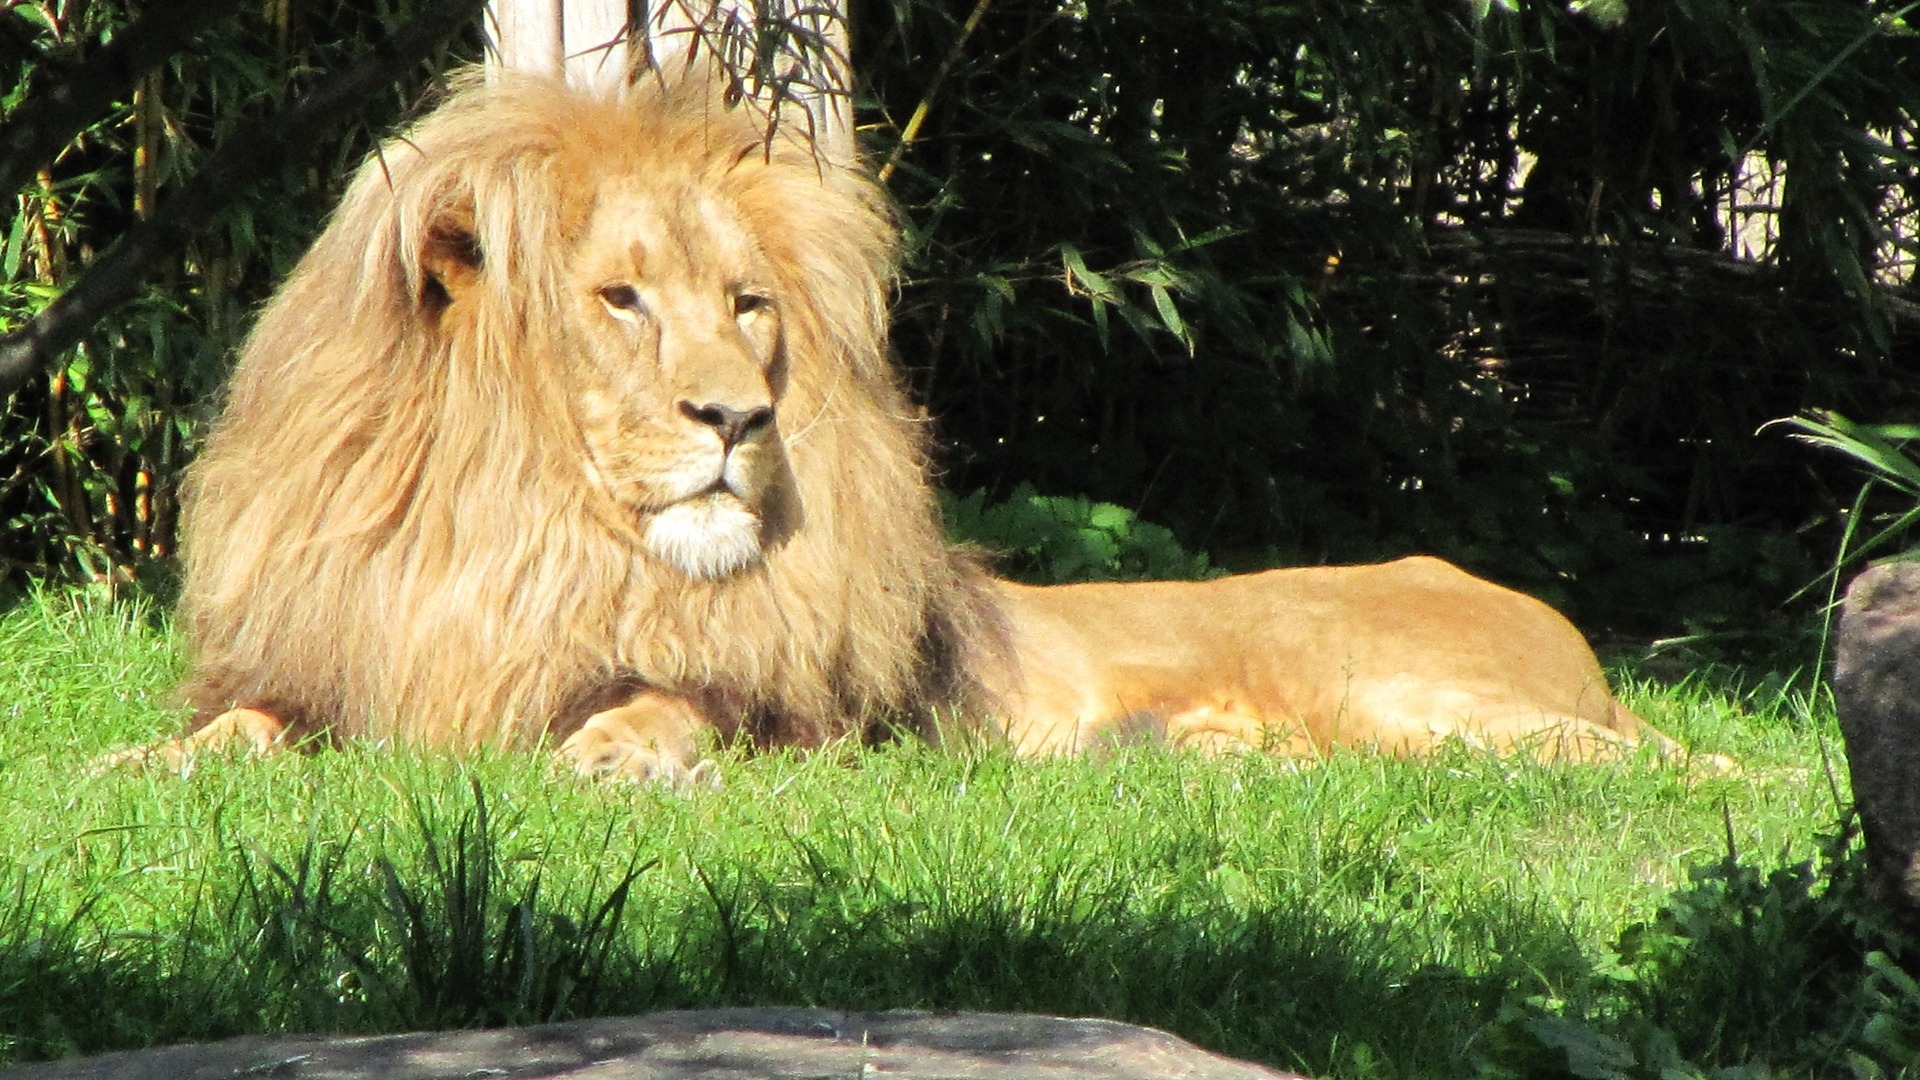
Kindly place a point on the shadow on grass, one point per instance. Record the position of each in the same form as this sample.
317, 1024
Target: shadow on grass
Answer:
465, 936
1784, 967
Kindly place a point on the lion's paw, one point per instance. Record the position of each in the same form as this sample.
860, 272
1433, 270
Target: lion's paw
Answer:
168, 756
255, 732
592, 753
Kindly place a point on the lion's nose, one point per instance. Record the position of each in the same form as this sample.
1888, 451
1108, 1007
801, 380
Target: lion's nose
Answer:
729, 423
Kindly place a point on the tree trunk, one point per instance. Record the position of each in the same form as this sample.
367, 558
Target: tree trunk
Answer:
587, 39
592, 42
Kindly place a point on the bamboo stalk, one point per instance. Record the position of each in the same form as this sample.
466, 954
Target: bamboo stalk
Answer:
142, 510
51, 255
147, 124
280, 14
919, 117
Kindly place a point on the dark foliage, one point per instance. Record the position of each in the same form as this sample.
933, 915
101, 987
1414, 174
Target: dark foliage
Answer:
91, 453
1304, 281
1326, 281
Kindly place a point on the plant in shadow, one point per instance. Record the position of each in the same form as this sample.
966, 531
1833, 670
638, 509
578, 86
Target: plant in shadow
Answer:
1055, 538
1741, 973
463, 938
48, 969
1881, 451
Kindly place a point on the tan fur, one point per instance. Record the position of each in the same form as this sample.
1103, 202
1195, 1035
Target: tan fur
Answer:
1402, 656
423, 513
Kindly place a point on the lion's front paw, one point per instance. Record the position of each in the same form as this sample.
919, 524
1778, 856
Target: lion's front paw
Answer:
257, 732
166, 755
597, 756
648, 741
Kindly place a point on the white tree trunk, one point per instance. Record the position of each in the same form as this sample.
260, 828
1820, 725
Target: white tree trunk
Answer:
589, 41
585, 39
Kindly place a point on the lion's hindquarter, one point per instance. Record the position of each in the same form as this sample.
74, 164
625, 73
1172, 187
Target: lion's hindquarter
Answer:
1399, 655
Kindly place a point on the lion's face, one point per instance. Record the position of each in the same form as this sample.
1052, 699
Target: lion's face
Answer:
676, 371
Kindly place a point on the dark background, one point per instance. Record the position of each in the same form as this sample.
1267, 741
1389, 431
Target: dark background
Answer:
1301, 281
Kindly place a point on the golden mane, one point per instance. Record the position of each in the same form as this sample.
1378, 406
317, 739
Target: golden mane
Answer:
392, 532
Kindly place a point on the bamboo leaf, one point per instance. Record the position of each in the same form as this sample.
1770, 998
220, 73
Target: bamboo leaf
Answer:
1078, 273
16, 242
1170, 315
1878, 448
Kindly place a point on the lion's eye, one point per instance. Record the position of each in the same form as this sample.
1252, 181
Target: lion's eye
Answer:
624, 299
748, 303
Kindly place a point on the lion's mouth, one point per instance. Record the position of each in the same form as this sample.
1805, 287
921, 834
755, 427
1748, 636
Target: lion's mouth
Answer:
709, 535
719, 491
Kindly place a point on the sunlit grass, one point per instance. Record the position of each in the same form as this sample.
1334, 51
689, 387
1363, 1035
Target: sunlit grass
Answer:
1362, 916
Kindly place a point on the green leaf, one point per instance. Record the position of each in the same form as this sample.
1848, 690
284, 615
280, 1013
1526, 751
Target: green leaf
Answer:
1211, 236
1608, 13
1110, 517
16, 242
1878, 449
1170, 315
1591, 1054
1152, 274
1307, 347
1080, 276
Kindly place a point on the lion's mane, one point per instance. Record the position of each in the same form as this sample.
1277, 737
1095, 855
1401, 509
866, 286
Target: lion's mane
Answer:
391, 533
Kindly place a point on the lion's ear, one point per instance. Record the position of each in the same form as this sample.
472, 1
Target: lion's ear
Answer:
450, 261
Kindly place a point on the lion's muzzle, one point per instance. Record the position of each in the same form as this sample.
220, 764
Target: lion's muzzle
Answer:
716, 528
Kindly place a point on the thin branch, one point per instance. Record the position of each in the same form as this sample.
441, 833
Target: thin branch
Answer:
52, 115
919, 117
243, 160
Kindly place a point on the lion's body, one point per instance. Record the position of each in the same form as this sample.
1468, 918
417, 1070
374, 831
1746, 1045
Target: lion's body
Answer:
410, 520
577, 422
1400, 656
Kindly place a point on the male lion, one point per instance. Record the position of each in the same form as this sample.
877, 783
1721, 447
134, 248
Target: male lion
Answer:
576, 423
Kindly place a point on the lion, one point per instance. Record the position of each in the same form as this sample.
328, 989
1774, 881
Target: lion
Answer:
577, 426
575, 423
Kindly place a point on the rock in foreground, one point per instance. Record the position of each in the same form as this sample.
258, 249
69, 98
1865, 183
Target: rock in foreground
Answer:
718, 1044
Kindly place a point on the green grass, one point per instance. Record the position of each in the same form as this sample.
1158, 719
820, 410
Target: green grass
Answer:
1360, 917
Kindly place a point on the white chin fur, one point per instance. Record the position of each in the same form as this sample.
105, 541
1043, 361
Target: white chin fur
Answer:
705, 538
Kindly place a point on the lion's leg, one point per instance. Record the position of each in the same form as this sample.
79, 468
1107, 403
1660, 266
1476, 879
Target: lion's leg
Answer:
1566, 739
259, 732
653, 737
1562, 738
1579, 740
1215, 730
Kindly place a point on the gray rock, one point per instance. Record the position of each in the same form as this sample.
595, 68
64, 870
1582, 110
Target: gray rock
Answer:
718, 1044
1876, 687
